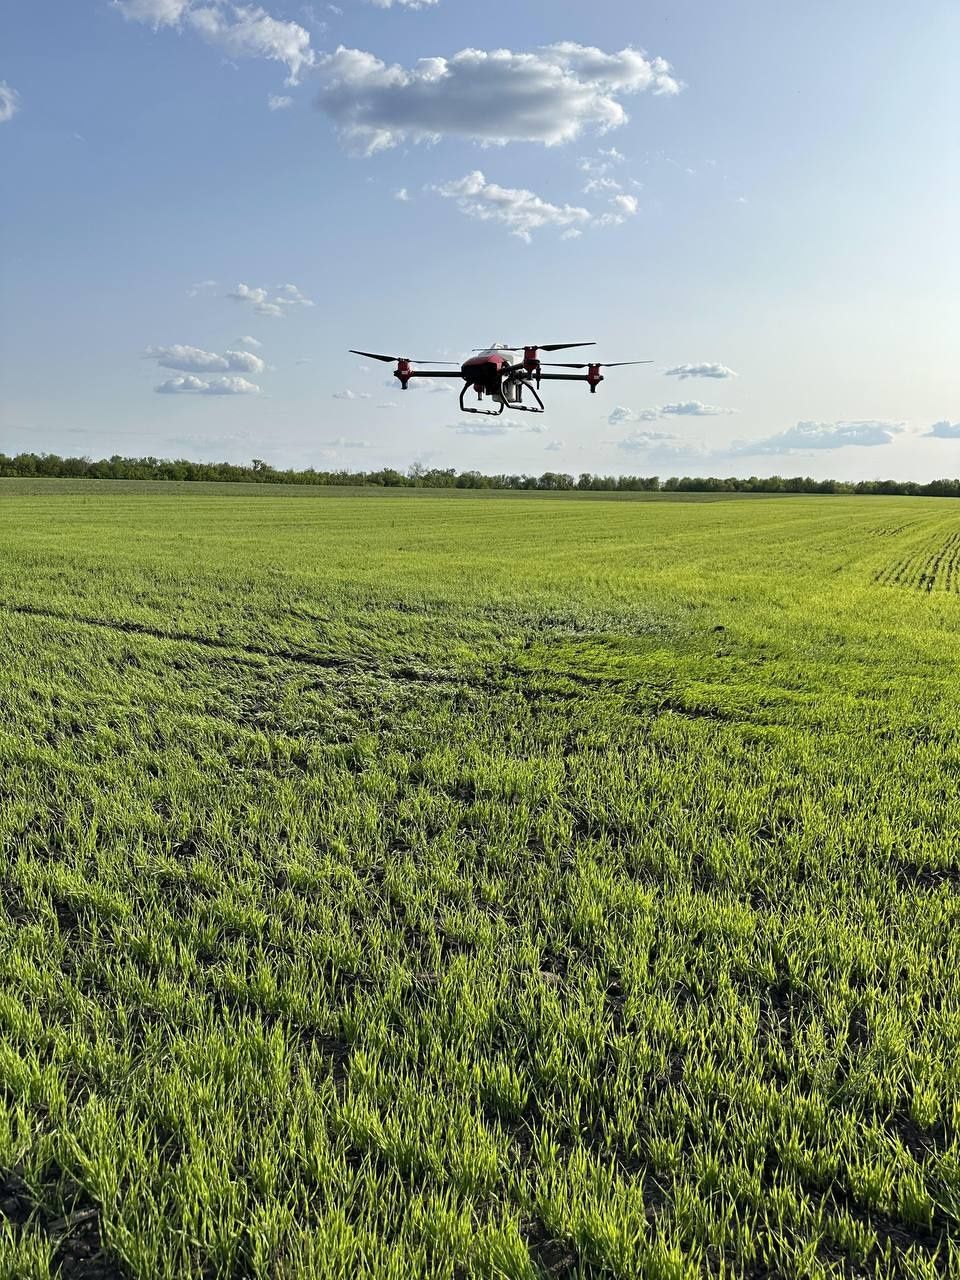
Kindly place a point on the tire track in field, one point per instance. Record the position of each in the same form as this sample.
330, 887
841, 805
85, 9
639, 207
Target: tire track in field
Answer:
254, 655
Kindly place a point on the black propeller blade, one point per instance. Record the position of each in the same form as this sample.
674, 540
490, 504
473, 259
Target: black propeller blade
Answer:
602, 364
372, 355
548, 346
563, 346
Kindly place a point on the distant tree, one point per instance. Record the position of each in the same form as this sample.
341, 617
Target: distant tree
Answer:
116, 467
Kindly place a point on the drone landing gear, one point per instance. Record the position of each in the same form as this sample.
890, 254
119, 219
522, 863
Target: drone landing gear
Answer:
486, 413
539, 407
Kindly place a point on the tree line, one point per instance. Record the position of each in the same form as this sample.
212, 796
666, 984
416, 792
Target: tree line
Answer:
417, 476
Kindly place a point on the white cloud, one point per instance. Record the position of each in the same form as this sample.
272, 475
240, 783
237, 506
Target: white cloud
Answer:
502, 427
684, 371
549, 96
158, 13
598, 166
248, 342
279, 101
806, 436
196, 360
692, 409
341, 443
520, 211
620, 415
9, 102
944, 431
627, 205
201, 287
240, 30
309, 14
285, 298
244, 293
290, 295
403, 195
387, 404
247, 31
351, 395
639, 441
598, 185
404, 4
481, 429
554, 446
188, 384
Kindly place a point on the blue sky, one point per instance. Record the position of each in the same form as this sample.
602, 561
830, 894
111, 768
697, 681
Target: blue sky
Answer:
761, 197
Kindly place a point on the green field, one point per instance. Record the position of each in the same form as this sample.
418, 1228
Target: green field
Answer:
458, 887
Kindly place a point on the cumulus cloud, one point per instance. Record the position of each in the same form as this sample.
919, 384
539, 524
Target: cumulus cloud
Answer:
638, 441
387, 404
245, 31
501, 427
351, 395
692, 409
285, 298
248, 342
601, 185
9, 102
602, 163
806, 436
481, 429
403, 195
279, 101
240, 30
554, 446
196, 360
627, 205
188, 384
944, 431
402, 4
549, 96
620, 415
684, 371
520, 211
341, 443
158, 13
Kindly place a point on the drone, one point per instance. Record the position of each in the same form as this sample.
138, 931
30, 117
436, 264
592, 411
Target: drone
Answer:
502, 374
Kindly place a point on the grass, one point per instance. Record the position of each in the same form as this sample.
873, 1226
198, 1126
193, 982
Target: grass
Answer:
475, 888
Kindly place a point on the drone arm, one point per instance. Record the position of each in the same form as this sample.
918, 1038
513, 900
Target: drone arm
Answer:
435, 373
594, 377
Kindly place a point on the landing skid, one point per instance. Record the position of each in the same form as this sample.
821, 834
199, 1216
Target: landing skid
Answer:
529, 408
486, 413
514, 406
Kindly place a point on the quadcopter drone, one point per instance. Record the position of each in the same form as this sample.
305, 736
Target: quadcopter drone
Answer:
502, 374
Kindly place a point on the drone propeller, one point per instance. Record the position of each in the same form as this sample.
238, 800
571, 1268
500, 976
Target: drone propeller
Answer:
372, 355
549, 346
563, 346
596, 364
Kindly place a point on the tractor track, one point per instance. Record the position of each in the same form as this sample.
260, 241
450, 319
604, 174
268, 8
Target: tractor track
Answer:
252, 655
